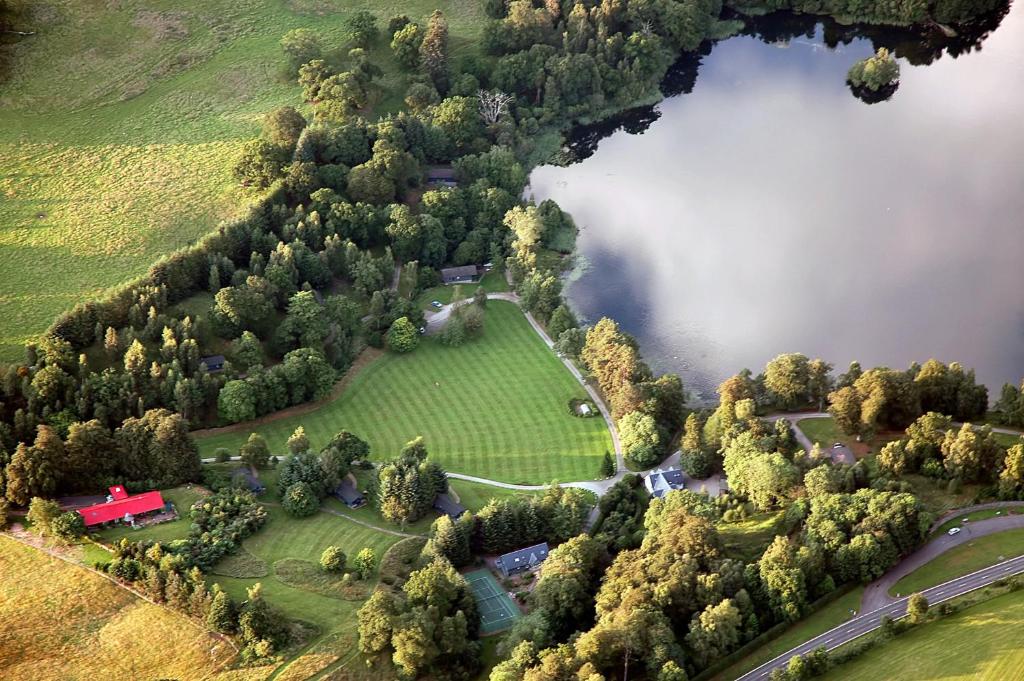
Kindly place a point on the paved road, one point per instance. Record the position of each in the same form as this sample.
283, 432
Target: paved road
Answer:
862, 624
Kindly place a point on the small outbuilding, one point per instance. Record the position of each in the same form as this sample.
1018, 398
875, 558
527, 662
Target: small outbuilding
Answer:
347, 494
214, 363
451, 508
460, 275
441, 176
246, 478
522, 560
659, 483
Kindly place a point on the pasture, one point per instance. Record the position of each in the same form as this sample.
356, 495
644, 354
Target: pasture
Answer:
74, 619
495, 408
120, 123
982, 643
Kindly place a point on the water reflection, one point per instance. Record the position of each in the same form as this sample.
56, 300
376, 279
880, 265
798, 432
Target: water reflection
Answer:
770, 211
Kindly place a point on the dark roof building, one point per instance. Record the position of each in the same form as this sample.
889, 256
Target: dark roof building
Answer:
347, 494
442, 177
460, 275
245, 477
214, 363
659, 483
451, 508
121, 506
524, 559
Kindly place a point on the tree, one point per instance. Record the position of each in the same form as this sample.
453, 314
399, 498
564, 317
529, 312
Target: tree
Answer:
222, 616
41, 515
764, 477
607, 465
298, 442
917, 607
68, 526
33, 470
376, 621
451, 540
300, 500
714, 632
301, 45
971, 455
1011, 480
255, 452
247, 351
282, 127
236, 402
332, 559
694, 458
260, 163
405, 43
364, 562
875, 72
845, 407
402, 336
492, 104
787, 379
640, 439
363, 27
434, 50
302, 467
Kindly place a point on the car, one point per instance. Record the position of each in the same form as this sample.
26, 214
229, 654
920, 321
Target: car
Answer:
837, 445
436, 303
953, 530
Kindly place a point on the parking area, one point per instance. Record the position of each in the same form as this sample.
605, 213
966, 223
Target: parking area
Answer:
497, 610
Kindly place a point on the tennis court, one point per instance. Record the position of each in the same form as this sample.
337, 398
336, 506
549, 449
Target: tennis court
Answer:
497, 611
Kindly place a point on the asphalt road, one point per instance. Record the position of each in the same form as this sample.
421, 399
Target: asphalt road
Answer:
864, 623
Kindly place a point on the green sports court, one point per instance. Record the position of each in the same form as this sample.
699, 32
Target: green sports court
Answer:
497, 610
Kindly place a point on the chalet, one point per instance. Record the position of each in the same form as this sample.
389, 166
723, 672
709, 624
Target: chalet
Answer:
440, 176
659, 483
121, 506
214, 363
460, 275
451, 508
524, 559
347, 494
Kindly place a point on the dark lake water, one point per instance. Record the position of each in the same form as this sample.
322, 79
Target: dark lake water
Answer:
768, 210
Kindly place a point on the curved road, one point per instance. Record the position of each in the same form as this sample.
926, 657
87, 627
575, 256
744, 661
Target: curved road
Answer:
877, 603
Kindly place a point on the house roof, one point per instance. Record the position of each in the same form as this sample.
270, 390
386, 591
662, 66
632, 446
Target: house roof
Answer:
530, 556
251, 480
455, 273
445, 504
113, 510
212, 362
660, 482
440, 173
347, 492
118, 492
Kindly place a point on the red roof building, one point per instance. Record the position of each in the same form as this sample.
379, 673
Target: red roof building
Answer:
120, 507
118, 492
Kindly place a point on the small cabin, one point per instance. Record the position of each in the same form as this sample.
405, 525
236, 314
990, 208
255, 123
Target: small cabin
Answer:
448, 506
214, 363
347, 494
441, 176
460, 275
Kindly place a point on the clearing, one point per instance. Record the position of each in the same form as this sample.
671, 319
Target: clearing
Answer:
121, 121
982, 643
497, 408
76, 619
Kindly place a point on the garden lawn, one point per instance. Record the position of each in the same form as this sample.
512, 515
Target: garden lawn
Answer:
497, 408
963, 560
829, 617
982, 643
823, 431
747, 539
63, 621
474, 496
974, 516
121, 121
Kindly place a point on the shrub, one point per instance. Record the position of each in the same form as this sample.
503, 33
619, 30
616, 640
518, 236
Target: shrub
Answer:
68, 526
332, 559
222, 455
300, 500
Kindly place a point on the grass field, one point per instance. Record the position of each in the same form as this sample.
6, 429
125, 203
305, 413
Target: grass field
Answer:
747, 539
64, 622
829, 617
975, 516
822, 430
963, 560
495, 407
982, 643
120, 124
474, 496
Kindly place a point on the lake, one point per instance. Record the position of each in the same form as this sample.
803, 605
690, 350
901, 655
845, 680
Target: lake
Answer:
768, 210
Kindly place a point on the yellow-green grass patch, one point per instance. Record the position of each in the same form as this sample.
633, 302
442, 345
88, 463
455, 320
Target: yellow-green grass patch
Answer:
963, 560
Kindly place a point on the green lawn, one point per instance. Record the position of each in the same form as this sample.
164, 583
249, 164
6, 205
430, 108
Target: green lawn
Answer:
982, 643
975, 516
823, 431
963, 560
495, 407
121, 121
475, 496
747, 539
492, 282
829, 617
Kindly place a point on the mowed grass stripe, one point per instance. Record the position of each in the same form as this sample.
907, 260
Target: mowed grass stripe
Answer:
496, 408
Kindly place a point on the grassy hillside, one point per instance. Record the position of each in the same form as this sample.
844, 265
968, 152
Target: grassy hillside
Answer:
120, 123
78, 622
981, 643
495, 407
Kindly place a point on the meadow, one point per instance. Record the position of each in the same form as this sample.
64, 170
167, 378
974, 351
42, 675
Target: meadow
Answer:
497, 407
75, 619
963, 560
120, 123
982, 643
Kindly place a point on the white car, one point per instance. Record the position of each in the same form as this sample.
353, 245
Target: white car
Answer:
436, 303
953, 530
